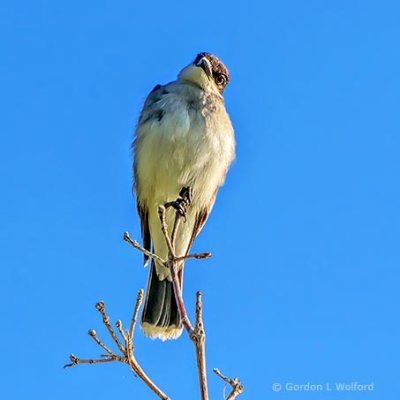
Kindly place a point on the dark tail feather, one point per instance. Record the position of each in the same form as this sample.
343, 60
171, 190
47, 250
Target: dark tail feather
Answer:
160, 317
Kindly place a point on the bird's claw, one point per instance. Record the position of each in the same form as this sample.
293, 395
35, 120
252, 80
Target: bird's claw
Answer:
180, 207
182, 202
186, 194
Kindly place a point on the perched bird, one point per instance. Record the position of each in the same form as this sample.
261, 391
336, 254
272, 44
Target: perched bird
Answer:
184, 141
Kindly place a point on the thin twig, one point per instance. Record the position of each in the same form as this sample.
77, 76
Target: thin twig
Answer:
135, 312
93, 335
197, 256
100, 307
175, 229
196, 335
171, 264
134, 365
199, 339
164, 229
76, 361
137, 369
179, 300
127, 350
137, 246
118, 324
237, 387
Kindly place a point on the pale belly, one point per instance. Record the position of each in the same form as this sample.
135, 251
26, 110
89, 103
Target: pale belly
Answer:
177, 153
180, 151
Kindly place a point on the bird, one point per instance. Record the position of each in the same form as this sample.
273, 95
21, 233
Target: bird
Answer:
184, 144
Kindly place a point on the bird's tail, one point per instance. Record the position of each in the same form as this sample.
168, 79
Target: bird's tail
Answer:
160, 317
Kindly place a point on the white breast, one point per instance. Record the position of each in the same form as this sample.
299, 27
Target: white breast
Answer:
183, 149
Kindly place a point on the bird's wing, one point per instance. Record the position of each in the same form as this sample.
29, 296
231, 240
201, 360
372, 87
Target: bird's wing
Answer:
200, 220
144, 223
143, 214
152, 109
146, 115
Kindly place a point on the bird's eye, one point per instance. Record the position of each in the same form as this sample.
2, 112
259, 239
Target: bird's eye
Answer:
220, 79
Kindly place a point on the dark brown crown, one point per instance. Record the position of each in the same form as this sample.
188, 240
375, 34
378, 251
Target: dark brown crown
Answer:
220, 73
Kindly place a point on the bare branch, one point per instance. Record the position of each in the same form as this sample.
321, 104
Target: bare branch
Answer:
137, 246
100, 307
199, 338
196, 333
137, 369
118, 324
127, 356
198, 256
75, 361
92, 334
237, 387
175, 228
171, 264
135, 313
161, 214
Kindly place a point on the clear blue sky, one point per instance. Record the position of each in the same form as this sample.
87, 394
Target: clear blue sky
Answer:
303, 285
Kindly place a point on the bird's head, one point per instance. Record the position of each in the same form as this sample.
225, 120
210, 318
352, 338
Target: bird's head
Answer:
208, 72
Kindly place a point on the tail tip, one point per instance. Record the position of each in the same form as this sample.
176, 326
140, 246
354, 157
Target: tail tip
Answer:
162, 333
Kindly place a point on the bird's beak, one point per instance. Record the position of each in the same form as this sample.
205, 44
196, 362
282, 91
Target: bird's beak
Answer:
205, 64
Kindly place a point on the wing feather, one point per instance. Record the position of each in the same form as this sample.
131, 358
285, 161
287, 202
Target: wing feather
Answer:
147, 114
144, 223
200, 220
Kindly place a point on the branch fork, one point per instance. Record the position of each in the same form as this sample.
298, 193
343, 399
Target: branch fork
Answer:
125, 346
196, 333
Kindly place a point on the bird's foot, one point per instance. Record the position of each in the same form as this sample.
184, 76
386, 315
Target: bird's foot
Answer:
186, 194
178, 205
182, 202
